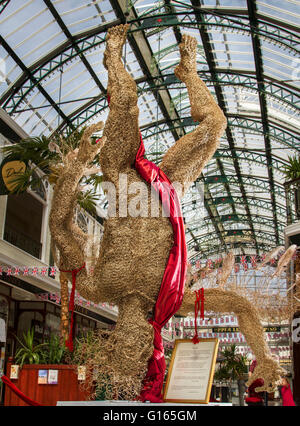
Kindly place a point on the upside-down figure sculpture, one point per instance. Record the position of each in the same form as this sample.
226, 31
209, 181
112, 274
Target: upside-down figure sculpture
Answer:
135, 250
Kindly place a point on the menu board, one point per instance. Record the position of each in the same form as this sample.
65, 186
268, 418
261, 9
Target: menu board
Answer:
191, 371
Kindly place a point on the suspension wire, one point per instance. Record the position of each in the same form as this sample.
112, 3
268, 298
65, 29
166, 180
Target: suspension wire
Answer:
60, 90
125, 47
157, 95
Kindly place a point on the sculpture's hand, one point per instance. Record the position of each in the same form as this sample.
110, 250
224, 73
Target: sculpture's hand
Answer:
87, 151
270, 372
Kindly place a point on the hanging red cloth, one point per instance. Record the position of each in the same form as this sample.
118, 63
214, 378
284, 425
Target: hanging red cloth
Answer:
17, 391
172, 287
74, 272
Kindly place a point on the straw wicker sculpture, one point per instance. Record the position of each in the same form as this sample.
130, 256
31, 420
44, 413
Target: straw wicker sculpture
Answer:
134, 250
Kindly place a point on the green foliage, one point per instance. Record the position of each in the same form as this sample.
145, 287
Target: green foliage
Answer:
50, 352
87, 201
292, 170
94, 180
55, 352
28, 179
233, 366
35, 150
29, 352
222, 374
45, 154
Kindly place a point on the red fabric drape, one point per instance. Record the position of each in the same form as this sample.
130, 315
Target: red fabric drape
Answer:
172, 286
17, 391
74, 272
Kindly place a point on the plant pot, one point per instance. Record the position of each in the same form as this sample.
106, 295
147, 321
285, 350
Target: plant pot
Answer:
224, 393
68, 388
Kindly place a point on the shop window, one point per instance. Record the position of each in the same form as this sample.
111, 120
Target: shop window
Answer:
3, 319
52, 323
23, 223
11, 317
29, 319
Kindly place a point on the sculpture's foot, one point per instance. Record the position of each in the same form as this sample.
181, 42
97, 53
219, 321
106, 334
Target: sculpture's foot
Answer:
188, 52
115, 40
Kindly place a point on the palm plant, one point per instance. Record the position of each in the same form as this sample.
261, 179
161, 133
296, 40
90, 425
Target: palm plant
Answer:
233, 367
44, 159
43, 154
292, 170
29, 352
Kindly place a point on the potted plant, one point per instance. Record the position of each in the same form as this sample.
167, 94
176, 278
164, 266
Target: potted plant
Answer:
29, 352
233, 366
48, 359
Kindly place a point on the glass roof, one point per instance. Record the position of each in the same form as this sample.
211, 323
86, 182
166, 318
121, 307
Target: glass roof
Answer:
52, 77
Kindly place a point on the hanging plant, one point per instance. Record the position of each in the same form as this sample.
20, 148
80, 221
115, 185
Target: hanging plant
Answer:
292, 169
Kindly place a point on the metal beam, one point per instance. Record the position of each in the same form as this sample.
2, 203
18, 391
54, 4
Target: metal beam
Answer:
3, 5
73, 43
247, 233
241, 218
249, 124
236, 11
29, 74
61, 56
261, 182
54, 60
252, 9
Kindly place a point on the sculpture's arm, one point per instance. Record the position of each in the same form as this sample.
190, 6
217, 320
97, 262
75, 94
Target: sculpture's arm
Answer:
217, 300
66, 235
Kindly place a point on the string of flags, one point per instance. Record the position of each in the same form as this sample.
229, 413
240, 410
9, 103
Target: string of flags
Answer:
241, 262
79, 300
51, 271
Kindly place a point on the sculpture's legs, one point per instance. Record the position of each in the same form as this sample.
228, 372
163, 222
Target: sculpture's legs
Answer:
121, 127
185, 160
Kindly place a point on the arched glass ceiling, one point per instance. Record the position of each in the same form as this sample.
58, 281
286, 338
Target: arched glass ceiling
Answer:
52, 77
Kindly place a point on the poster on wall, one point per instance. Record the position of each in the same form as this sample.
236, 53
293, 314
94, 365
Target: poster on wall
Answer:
52, 377
43, 377
81, 372
191, 371
14, 371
